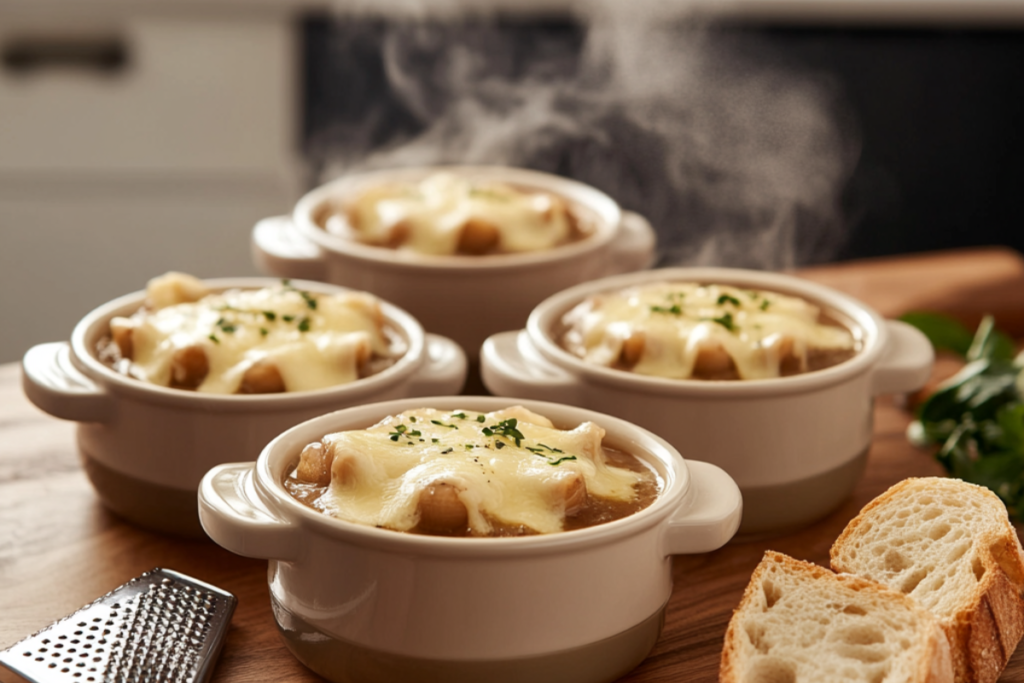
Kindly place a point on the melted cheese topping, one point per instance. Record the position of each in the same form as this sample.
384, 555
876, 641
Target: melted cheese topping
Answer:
431, 217
672, 329
314, 340
378, 474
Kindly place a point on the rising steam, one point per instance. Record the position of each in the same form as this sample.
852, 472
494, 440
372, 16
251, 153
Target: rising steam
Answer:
736, 160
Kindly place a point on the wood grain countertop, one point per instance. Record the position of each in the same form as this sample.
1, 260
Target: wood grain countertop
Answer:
60, 549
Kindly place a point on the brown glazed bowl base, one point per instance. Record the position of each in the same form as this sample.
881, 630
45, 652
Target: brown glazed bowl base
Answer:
777, 510
343, 662
152, 506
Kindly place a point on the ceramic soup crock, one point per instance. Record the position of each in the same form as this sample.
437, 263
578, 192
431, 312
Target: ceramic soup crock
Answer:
465, 298
795, 445
358, 603
146, 447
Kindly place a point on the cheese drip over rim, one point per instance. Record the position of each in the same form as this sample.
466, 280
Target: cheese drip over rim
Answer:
378, 474
431, 216
314, 340
668, 329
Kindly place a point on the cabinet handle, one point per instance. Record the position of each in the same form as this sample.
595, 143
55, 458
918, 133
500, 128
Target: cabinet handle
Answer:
27, 55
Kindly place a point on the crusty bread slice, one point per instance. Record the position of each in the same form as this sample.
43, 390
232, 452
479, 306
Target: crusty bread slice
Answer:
950, 546
801, 623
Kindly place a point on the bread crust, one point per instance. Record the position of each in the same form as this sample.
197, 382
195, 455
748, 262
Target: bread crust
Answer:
935, 666
984, 634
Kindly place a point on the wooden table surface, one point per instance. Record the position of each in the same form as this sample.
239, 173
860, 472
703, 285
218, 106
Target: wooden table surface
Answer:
60, 549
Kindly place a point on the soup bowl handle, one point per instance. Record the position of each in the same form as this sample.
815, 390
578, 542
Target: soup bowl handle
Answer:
279, 249
709, 515
443, 370
233, 515
632, 248
511, 366
55, 385
906, 363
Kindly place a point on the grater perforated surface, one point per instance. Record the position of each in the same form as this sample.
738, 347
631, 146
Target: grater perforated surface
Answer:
159, 627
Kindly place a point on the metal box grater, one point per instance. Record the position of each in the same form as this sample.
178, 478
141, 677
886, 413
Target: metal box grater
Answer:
159, 627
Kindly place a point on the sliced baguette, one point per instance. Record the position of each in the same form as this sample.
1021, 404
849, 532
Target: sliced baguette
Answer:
801, 623
950, 546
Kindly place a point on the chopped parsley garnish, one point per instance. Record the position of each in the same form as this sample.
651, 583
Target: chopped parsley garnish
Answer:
287, 318
225, 326
555, 461
461, 416
435, 441
264, 332
726, 299
399, 432
674, 309
412, 418
725, 321
308, 298
506, 428
304, 324
442, 424
481, 418
214, 339
269, 315
765, 304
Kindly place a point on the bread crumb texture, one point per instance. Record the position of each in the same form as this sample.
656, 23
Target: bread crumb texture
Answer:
950, 546
801, 623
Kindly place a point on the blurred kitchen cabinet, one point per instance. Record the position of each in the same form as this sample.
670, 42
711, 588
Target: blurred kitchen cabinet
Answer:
134, 140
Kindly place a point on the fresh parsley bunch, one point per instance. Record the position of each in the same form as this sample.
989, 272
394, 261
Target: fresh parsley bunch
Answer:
976, 417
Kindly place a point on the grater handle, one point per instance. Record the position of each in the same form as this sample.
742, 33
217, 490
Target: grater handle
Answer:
233, 515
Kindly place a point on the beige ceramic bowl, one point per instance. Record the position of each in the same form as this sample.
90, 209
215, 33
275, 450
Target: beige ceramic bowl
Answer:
361, 604
796, 446
145, 447
465, 298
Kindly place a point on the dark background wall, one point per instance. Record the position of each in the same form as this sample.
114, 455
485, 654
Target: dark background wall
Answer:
938, 115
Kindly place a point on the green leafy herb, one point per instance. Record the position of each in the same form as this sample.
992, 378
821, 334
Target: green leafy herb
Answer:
442, 424
264, 332
304, 324
398, 433
461, 416
287, 318
481, 419
765, 304
674, 309
976, 417
506, 428
214, 339
269, 315
725, 321
726, 299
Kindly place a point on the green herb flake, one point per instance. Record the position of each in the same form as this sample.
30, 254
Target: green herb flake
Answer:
214, 339
264, 332
765, 304
461, 416
725, 321
499, 444
447, 451
269, 315
506, 428
287, 318
442, 424
304, 324
481, 419
727, 299
674, 309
